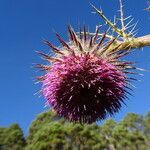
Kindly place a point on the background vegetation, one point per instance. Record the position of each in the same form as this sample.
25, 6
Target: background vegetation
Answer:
50, 132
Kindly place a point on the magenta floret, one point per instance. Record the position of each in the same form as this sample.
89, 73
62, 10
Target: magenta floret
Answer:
84, 88
86, 80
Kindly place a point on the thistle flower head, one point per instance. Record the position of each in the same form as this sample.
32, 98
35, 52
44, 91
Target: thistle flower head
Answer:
85, 81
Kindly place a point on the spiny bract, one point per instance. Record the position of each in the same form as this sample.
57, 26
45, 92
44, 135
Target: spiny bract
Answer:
86, 81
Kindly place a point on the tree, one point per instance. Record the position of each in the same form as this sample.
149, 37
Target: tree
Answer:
12, 138
49, 132
39, 126
48, 137
133, 126
147, 124
107, 131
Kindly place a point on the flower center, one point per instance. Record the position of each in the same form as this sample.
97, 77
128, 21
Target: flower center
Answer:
84, 93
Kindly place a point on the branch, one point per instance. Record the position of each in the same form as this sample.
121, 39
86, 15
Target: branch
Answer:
128, 41
131, 43
138, 42
122, 16
107, 21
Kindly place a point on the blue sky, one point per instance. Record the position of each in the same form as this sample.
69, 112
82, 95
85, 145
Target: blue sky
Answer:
23, 26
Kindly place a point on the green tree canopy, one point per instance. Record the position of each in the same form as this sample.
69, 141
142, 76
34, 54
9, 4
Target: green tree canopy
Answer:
12, 138
50, 132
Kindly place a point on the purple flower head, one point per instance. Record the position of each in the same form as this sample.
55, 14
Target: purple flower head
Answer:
84, 82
